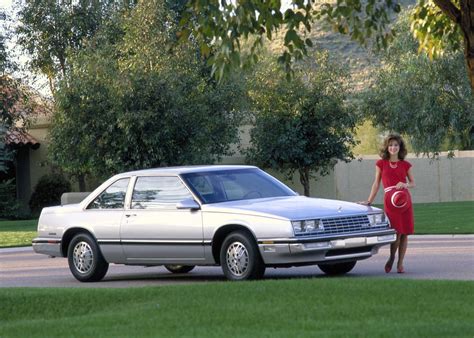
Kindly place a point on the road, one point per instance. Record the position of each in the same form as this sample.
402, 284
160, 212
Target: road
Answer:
428, 257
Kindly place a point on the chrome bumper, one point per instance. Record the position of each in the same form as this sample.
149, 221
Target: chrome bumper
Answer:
47, 246
319, 250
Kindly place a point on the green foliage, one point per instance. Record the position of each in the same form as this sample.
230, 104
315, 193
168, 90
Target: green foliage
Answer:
435, 32
227, 25
49, 30
301, 125
430, 101
131, 100
9, 207
48, 192
3, 55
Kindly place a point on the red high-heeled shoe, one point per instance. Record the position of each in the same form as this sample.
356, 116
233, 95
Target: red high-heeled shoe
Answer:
388, 267
401, 270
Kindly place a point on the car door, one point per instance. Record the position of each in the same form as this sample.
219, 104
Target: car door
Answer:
154, 231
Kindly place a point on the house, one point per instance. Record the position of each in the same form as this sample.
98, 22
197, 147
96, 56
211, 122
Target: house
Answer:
30, 160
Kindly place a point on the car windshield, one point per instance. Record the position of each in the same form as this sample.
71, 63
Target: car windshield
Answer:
234, 185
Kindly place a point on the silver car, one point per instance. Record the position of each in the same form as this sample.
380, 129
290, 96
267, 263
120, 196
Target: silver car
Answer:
238, 217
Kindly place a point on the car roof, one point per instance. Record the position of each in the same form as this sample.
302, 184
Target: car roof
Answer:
183, 170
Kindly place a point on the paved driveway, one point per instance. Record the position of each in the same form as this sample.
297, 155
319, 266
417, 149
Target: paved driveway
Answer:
428, 257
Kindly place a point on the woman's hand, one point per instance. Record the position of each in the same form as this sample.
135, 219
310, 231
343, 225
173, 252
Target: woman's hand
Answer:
364, 203
401, 185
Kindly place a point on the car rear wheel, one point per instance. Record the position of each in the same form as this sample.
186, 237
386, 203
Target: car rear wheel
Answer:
337, 268
240, 258
174, 268
85, 259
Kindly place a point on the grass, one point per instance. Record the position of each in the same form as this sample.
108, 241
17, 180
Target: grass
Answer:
17, 233
326, 307
444, 218
430, 218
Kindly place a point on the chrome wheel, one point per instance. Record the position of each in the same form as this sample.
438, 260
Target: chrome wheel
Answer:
83, 257
237, 258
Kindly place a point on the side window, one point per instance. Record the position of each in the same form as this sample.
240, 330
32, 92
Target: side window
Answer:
158, 192
113, 197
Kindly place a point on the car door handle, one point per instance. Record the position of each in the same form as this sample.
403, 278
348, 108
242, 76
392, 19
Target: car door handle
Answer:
128, 215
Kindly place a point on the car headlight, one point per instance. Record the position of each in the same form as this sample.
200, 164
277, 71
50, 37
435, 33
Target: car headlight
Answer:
297, 227
377, 219
306, 227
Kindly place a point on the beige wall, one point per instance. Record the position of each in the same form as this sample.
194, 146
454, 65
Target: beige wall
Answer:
442, 180
38, 157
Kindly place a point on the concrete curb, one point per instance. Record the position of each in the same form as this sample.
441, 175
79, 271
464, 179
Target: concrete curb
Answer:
412, 237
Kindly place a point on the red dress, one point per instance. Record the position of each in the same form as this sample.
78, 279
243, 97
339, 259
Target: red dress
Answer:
401, 219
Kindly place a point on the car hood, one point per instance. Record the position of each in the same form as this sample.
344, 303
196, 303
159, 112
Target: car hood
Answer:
291, 207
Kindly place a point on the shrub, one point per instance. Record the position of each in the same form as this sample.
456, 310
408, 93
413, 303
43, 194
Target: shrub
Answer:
9, 206
48, 192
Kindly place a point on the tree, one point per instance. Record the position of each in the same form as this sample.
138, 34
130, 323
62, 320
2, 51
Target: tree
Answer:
302, 125
13, 99
446, 25
50, 30
228, 24
430, 101
131, 101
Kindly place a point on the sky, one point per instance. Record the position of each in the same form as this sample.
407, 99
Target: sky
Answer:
5, 3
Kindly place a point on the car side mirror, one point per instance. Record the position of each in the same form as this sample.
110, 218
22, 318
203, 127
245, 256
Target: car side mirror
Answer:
188, 203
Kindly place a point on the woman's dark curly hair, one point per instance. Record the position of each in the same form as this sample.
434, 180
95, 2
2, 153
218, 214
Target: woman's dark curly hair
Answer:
384, 150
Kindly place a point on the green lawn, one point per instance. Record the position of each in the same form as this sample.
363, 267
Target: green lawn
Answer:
319, 307
17, 233
430, 218
444, 218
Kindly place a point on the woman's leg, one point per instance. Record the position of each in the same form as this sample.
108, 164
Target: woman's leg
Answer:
401, 252
393, 251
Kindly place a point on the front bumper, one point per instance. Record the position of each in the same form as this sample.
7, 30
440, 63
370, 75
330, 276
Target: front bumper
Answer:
315, 250
47, 246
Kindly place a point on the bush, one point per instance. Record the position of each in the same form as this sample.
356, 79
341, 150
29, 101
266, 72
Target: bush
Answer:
48, 192
9, 206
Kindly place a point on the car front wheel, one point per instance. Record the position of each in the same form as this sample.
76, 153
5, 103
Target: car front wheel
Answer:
179, 268
337, 268
240, 258
85, 259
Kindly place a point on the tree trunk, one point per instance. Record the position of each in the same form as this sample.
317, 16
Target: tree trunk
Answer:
304, 179
467, 27
81, 179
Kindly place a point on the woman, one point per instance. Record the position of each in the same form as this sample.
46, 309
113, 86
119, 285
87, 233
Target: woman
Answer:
393, 170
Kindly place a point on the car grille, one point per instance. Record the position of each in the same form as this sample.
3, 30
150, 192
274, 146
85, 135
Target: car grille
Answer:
343, 225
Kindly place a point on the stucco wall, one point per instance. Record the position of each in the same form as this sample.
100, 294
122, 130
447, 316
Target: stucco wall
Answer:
441, 180
38, 157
